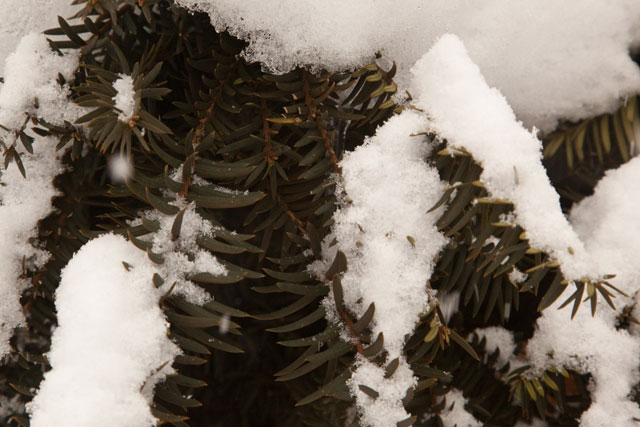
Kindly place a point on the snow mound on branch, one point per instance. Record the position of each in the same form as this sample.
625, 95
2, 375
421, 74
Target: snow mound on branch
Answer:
111, 346
593, 345
23, 202
607, 223
383, 227
541, 55
390, 241
470, 115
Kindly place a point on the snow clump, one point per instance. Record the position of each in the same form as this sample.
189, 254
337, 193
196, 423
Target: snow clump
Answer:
111, 346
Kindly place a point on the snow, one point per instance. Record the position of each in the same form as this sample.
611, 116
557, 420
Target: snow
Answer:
20, 210
31, 73
21, 17
541, 55
608, 224
590, 344
470, 115
30, 77
125, 99
111, 346
390, 241
383, 229
454, 414
516, 276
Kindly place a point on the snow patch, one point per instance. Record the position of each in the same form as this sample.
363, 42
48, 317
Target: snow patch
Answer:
591, 344
30, 89
607, 223
382, 227
516, 276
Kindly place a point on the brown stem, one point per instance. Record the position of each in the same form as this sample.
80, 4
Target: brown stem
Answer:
269, 155
313, 115
199, 131
328, 145
285, 207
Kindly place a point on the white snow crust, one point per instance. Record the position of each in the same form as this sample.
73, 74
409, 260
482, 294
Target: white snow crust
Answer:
552, 60
608, 224
383, 228
111, 345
